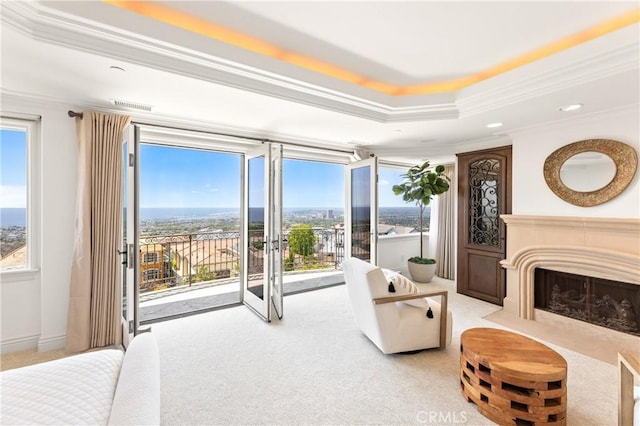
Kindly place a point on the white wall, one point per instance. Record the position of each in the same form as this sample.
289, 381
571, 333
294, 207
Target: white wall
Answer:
394, 250
34, 311
532, 196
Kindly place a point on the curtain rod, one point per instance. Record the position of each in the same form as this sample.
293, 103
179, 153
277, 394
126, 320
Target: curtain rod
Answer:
73, 114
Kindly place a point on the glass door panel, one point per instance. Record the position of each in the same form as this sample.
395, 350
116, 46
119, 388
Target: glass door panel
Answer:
263, 289
256, 292
276, 256
362, 210
129, 240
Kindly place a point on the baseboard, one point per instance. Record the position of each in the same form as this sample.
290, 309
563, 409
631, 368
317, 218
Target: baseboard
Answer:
54, 343
19, 344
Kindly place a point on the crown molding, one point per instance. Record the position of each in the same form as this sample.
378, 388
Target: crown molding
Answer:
10, 99
625, 58
442, 149
48, 25
575, 120
39, 22
14, 97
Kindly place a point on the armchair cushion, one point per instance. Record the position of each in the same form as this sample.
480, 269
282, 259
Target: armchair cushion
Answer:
403, 285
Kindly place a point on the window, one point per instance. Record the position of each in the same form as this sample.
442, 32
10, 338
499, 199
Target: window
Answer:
150, 274
396, 216
17, 194
151, 257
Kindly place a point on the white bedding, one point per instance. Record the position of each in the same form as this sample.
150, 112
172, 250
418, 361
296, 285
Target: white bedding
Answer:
74, 390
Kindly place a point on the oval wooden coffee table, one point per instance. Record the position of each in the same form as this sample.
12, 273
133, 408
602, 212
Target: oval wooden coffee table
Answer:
513, 379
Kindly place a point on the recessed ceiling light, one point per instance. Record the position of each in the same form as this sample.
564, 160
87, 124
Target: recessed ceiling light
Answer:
494, 125
571, 107
117, 68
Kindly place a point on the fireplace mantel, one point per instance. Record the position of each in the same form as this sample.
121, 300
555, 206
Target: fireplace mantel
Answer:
601, 247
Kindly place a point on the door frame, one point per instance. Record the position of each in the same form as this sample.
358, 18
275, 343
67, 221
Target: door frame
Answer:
271, 303
131, 318
372, 163
276, 256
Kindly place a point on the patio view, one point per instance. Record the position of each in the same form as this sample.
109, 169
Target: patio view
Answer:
206, 257
200, 269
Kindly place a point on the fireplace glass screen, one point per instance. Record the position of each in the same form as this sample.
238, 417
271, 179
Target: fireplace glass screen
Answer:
607, 303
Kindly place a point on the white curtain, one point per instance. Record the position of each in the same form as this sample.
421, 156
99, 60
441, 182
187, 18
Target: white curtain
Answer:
445, 237
94, 314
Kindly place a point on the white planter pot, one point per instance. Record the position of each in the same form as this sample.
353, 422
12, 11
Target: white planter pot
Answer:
421, 273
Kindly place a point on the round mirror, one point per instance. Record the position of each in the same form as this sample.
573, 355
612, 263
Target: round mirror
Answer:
588, 171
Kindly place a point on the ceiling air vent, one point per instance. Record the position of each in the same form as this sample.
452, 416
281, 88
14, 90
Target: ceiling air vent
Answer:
131, 105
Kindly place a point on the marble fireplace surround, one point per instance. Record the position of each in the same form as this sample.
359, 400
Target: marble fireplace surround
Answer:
602, 247
599, 247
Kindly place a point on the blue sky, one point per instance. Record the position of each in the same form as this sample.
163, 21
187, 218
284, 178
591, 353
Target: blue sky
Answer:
13, 163
172, 177
387, 177
175, 177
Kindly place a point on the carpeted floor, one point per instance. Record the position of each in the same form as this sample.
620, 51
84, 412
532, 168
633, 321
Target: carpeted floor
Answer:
316, 367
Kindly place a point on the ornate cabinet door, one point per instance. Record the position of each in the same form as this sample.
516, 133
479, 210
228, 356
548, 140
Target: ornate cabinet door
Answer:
484, 193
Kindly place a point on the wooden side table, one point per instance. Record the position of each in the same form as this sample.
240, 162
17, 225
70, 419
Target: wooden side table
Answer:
513, 380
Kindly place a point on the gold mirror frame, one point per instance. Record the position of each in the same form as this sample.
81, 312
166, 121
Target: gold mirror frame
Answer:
623, 155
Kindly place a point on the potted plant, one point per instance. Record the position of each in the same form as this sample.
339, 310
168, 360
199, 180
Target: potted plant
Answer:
420, 185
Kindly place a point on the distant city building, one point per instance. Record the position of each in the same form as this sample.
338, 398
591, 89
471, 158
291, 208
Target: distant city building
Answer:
330, 214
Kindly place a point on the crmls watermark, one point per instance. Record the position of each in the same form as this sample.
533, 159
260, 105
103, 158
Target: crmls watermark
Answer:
441, 417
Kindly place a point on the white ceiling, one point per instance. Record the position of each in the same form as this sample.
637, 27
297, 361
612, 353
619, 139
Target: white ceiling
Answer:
63, 51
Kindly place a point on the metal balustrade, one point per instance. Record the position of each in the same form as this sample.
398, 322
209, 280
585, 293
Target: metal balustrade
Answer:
214, 257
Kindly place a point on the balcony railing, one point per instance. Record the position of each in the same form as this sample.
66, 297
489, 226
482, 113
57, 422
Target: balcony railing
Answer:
186, 259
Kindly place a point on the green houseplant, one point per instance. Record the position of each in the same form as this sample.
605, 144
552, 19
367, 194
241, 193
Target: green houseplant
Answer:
421, 184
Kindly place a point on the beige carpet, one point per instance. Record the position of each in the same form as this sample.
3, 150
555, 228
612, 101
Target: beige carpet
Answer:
316, 367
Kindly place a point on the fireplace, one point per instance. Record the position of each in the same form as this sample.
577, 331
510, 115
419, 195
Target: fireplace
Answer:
607, 303
606, 249
594, 247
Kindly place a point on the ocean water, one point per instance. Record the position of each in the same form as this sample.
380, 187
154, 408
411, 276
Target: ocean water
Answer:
147, 213
13, 217
18, 216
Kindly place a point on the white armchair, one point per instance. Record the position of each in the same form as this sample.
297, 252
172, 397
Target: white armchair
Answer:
395, 322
